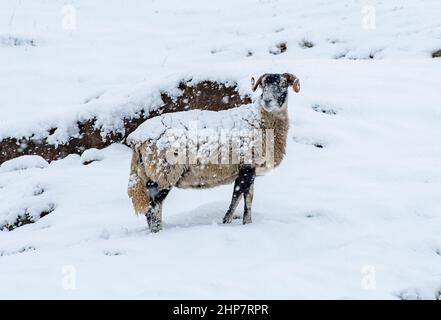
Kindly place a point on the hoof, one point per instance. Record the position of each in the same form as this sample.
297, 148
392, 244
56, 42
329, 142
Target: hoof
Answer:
227, 220
247, 219
155, 225
155, 230
149, 220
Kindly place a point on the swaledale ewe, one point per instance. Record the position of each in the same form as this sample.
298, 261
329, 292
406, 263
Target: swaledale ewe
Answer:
203, 149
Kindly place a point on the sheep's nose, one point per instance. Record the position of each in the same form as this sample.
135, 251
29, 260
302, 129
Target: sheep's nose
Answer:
267, 101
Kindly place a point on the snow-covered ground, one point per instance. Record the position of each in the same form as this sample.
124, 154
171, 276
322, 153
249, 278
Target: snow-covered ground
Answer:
358, 218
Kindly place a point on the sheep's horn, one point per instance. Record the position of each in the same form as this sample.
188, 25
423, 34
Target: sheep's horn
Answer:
255, 84
294, 81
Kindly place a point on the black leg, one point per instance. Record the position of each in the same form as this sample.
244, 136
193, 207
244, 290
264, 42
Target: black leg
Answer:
234, 202
248, 200
242, 185
154, 215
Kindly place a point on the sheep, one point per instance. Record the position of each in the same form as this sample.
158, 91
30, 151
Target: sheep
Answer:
191, 149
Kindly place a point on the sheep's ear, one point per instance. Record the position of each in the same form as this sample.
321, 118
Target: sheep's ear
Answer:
296, 85
293, 80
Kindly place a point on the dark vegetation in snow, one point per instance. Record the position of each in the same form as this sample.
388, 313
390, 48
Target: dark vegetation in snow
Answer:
436, 54
86, 163
25, 219
111, 253
324, 109
206, 95
346, 54
317, 143
11, 41
4, 253
409, 294
341, 55
280, 48
306, 44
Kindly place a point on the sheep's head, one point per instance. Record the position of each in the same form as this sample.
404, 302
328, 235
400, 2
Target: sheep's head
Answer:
275, 89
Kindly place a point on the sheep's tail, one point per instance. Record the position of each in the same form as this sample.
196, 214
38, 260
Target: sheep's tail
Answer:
137, 189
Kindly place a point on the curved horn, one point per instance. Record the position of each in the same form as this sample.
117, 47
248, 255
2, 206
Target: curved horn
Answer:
293, 80
255, 84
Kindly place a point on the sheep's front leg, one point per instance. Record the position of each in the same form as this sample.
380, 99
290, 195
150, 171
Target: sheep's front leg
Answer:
154, 213
242, 185
248, 199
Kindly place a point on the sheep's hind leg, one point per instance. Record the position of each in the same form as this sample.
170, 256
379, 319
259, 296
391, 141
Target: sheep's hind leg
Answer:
242, 185
249, 174
154, 216
234, 202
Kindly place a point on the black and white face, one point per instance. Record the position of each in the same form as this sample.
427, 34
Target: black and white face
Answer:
275, 90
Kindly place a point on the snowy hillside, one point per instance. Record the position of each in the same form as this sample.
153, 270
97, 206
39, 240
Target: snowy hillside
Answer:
63, 62
354, 210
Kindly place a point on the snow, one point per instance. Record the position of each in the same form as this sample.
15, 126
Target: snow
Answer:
91, 155
358, 218
245, 117
22, 163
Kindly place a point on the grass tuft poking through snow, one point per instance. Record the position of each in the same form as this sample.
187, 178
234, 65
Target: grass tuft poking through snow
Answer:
436, 54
